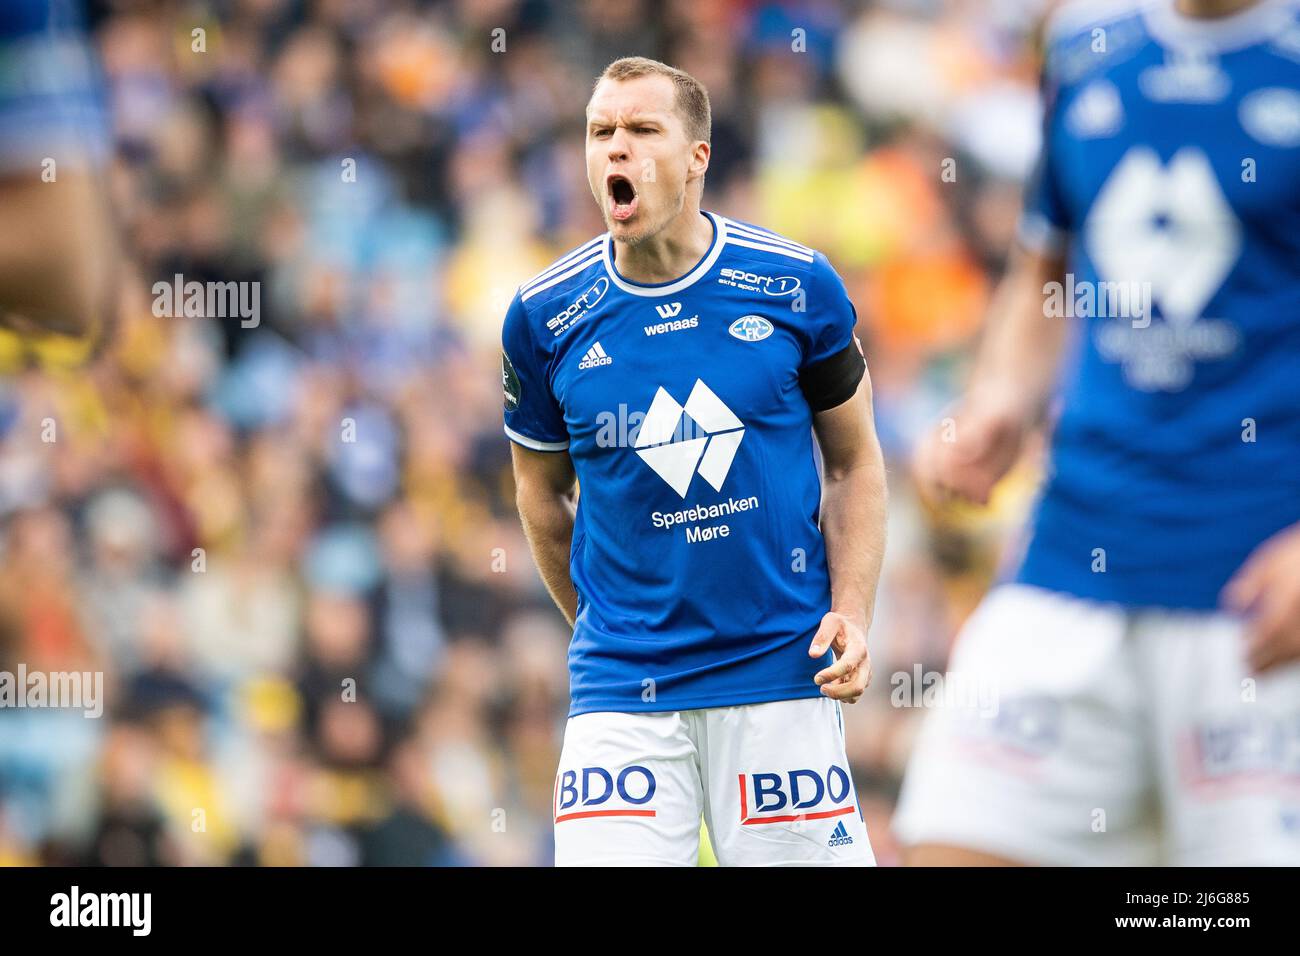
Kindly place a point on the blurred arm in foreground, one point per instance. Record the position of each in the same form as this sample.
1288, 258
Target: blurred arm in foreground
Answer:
58, 252
1007, 395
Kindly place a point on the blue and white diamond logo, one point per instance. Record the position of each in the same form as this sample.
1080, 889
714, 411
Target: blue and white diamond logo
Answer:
676, 461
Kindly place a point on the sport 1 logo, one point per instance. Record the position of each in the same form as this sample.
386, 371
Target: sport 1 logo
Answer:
785, 798
579, 791
562, 321
753, 282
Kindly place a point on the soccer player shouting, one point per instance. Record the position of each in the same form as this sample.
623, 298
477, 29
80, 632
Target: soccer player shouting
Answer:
720, 591
1146, 658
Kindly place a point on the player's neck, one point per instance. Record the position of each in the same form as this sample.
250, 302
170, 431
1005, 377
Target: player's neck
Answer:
670, 253
1209, 9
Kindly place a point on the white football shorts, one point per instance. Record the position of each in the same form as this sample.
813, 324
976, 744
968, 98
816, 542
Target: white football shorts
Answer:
771, 782
1089, 734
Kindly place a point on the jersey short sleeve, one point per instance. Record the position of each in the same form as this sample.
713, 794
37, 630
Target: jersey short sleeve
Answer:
831, 316
833, 364
533, 418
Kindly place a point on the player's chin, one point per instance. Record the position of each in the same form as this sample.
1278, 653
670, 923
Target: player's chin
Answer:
627, 231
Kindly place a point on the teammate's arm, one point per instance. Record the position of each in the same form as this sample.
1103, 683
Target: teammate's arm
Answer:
66, 282
1009, 389
545, 496
853, 524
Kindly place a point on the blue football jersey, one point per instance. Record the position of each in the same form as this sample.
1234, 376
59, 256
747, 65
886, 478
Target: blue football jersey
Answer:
1171, 171
52, 101
697, 556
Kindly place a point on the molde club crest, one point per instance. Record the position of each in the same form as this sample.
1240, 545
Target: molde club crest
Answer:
750, 328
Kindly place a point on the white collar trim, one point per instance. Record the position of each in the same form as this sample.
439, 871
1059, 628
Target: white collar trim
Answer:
677, 285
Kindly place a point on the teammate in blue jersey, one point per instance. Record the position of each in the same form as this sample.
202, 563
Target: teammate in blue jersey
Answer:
1145, 655
720, 588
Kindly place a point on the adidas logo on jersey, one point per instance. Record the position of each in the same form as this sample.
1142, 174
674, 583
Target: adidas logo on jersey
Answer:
839, 836
595, 357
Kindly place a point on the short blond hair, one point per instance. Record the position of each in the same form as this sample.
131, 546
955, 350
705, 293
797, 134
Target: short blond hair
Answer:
692, 100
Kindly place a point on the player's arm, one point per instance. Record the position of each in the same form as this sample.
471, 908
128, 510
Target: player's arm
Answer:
834, 381
544, 494
539, 442
59, 247
67, 281
853, 524
1009, 389
1019, 352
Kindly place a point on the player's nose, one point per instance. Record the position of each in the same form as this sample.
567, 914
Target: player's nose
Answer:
618, 146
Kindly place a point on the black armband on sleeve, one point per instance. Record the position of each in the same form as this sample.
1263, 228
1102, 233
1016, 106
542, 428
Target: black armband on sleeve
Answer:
834, 380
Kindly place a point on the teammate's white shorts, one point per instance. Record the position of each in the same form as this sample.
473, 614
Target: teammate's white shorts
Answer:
771, 781
1082, 733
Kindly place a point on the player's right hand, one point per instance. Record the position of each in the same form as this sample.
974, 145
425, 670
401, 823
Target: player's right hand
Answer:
966, 454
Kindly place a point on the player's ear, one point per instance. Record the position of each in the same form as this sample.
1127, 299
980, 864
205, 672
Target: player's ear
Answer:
699, 160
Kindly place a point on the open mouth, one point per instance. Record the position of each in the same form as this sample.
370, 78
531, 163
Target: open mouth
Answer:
622, 197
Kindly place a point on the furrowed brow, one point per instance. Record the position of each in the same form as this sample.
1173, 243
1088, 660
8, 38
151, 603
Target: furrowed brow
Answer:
633, 119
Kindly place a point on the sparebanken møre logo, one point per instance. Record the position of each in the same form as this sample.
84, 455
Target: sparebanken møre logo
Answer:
677, 462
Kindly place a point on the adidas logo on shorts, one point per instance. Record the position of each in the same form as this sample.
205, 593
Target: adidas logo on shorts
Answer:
595, 356
839, 836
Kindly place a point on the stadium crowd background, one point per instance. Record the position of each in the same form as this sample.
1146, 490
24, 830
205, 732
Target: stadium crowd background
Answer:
341, 468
